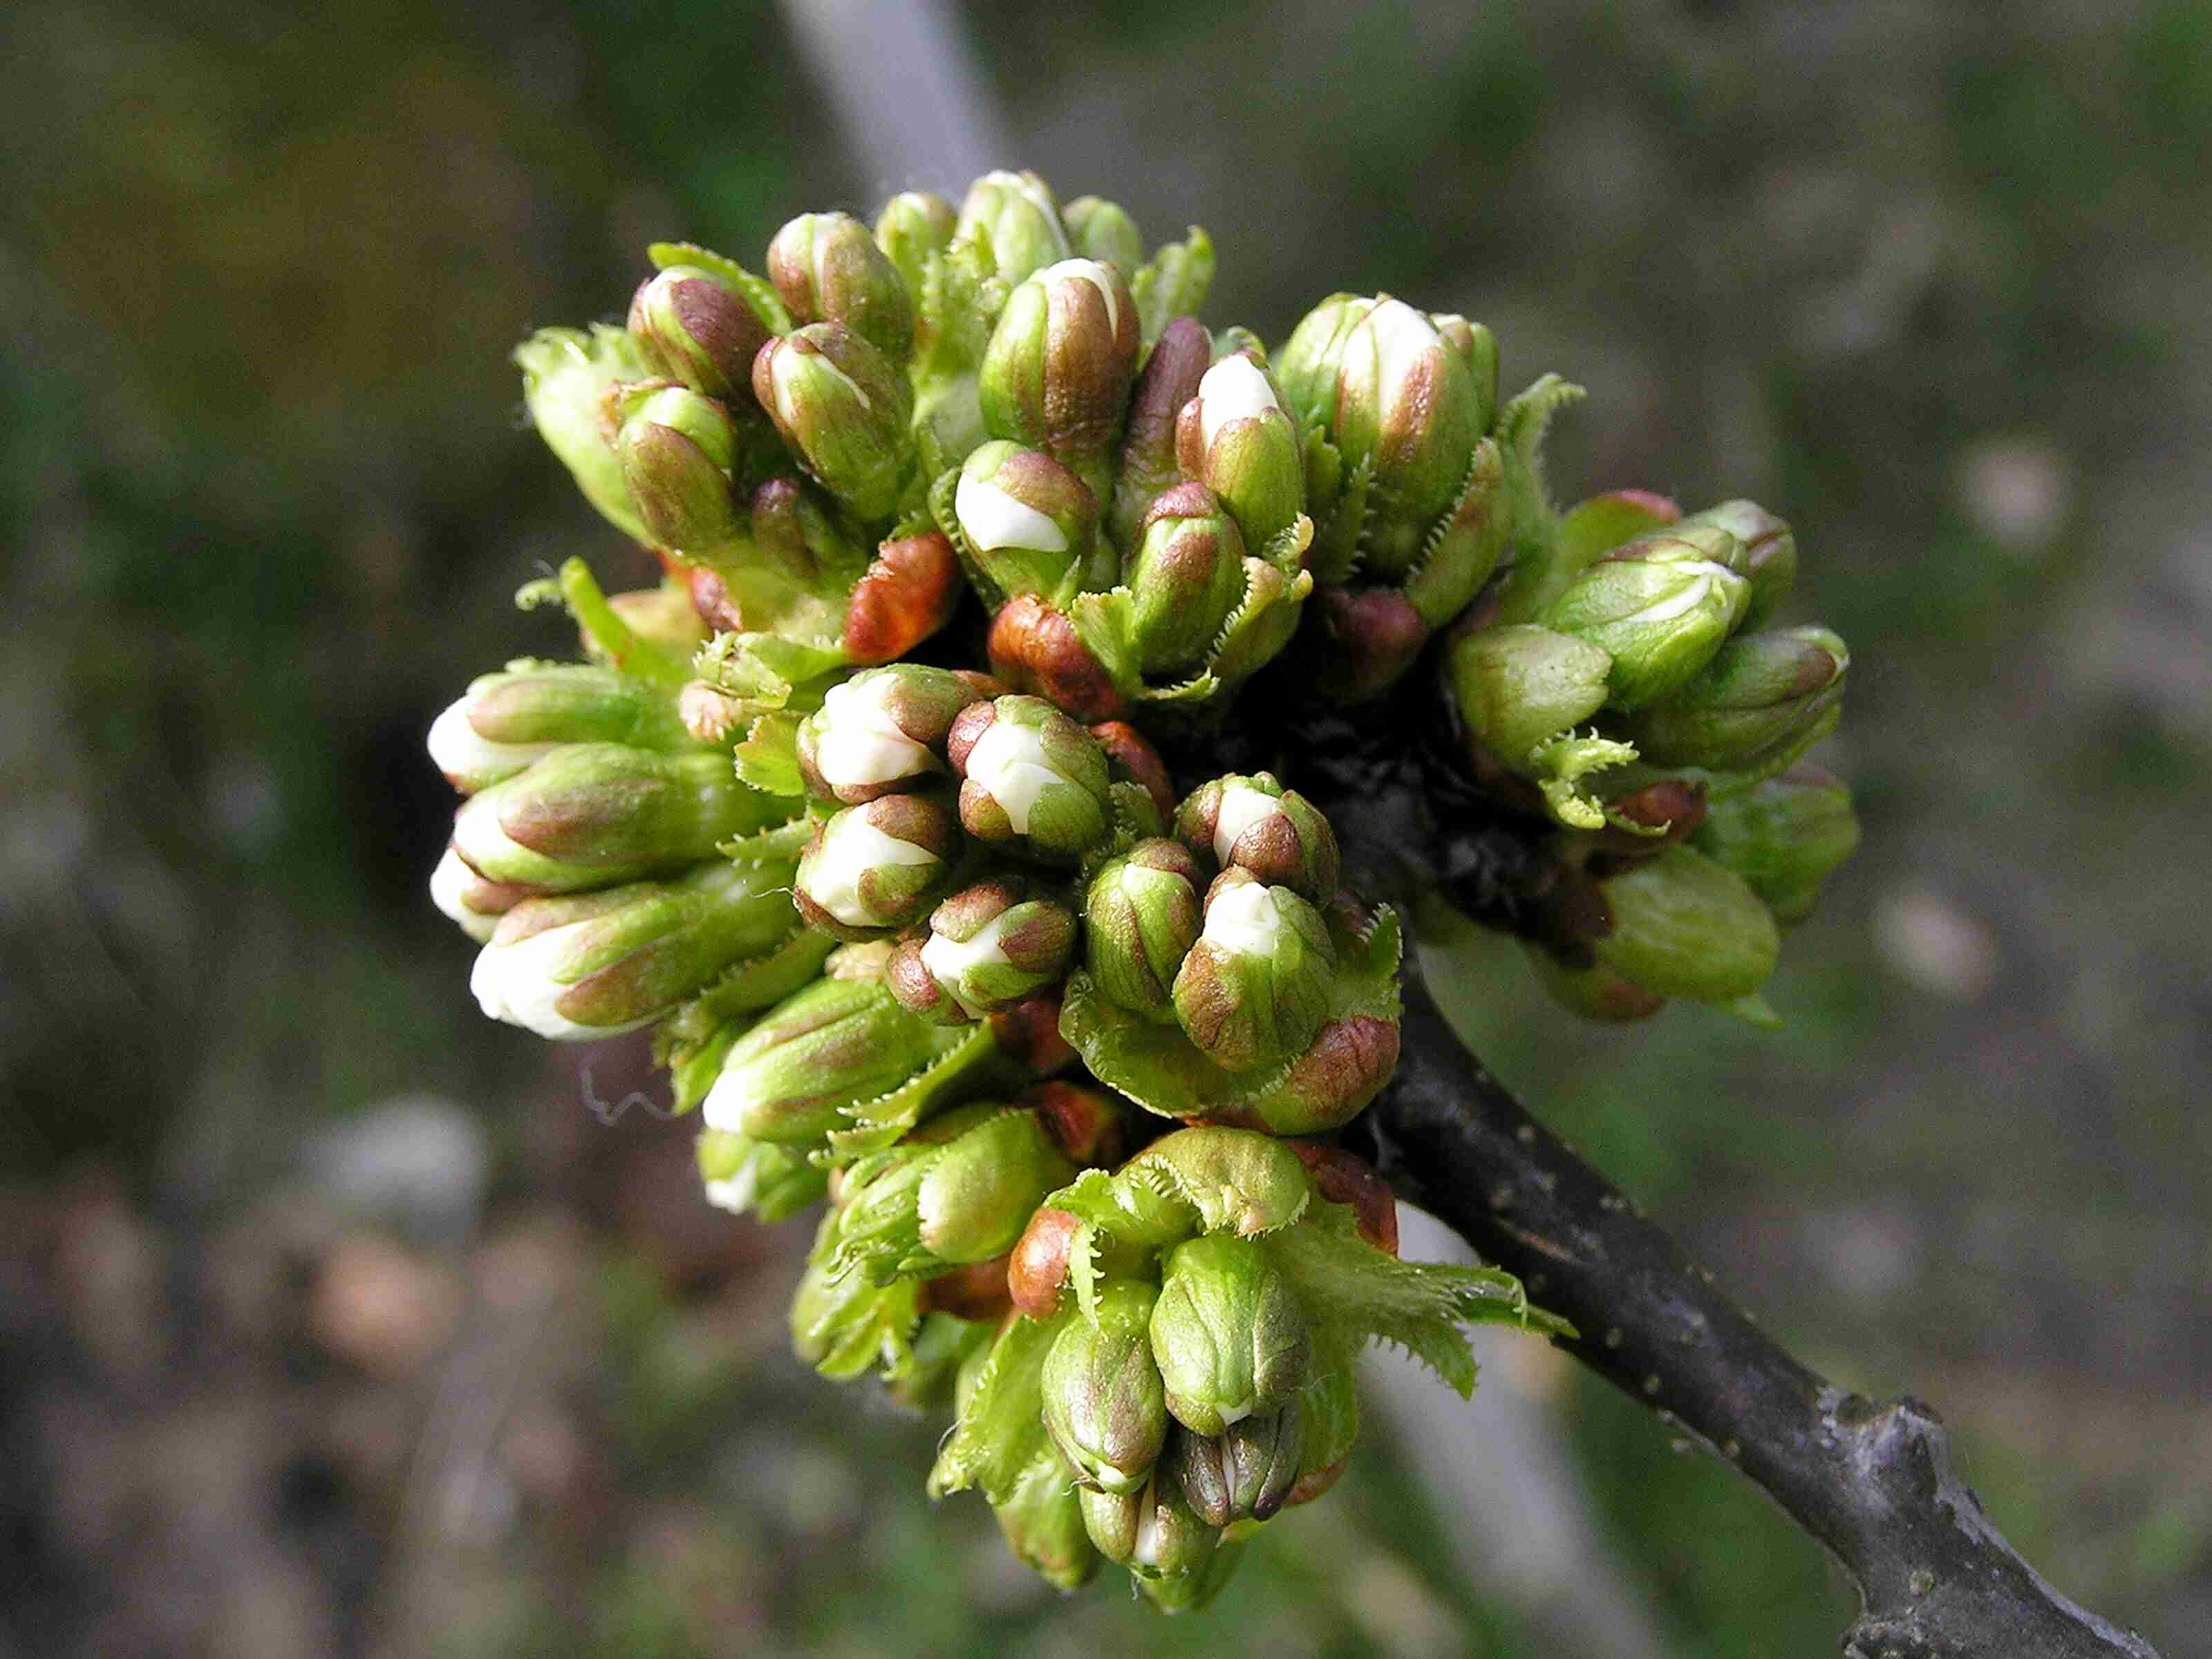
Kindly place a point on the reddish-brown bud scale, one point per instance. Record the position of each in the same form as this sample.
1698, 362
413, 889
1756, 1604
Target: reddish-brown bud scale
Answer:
1361, 640
1086, 1124
710, 597
1344, 1177
1135, 761
1311, 1487
1029, 1035
908, 592
978, 1291
1034, 648
1038, 1265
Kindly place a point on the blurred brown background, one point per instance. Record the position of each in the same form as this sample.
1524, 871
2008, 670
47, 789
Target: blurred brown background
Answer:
335, 1320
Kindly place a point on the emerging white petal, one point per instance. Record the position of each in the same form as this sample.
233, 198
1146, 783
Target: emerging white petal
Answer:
520, 983
1242, 806
993, 519
1234, 389
449, 885
1008, 760
471, 761
861, 743
1246, 920
850, 848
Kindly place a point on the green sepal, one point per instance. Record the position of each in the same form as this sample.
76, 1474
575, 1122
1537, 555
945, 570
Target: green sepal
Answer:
1172, 283
1164, 1071
757, 291
1334, 558
845, 1326
1000, 1433
692, 1040
787, 840
1360, 1294
947, 518
965, 1057
1558, 766
1466, 542
921, 1378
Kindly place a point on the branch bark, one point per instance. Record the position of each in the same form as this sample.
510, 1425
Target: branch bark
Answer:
1875, 1483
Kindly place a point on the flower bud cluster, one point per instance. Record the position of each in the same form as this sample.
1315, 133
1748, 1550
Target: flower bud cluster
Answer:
942, 948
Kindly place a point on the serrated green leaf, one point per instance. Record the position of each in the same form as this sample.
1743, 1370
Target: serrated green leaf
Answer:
1001, 1430
767, 759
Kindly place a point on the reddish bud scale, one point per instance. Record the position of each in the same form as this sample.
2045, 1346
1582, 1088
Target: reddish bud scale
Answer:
1027, 1033
909, 591
1359, 641
1086, 1124
977, 1291
1038, 1265
1135, 761
1035, 649
1343, 1178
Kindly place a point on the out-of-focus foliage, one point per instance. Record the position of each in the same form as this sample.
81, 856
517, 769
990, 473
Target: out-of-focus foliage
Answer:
1930, 280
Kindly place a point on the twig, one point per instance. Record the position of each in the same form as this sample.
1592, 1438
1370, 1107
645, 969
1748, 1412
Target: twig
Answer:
1874, 1483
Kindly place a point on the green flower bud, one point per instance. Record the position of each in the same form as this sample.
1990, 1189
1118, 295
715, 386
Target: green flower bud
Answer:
1782, 836
677, 448
1192, 1591
591, 964
838, 1042
1227, 1333
989, 946
923, 1207
1517, 687
843, 1325
1254, 823
1147, 463
1042, 1520
507, 721
874, 868
915, 224
1253, 991
1596, 992
829, 270
1660, 606
567, 375
1683, 926
1378, 378
1058, 370
843, 409
1028, 521
1235, 436
1246, 1472
465, 897
881, 732
742, 1176
695, 327
590, 814
1154, 1533
1478, 346
1102, 230
1767, 554
1029, 775
1760, 702
1141, 916
1017, 213
1104, 1402
1186, 577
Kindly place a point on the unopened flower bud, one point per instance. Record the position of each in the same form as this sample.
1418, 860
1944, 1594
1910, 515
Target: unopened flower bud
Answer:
1254, 990
1193, 1590
677, 448
465, 897
1186, 575
1684, 926
842, 407
1029, 522
1359, 641
1478, 346
1516, 688
592, 964
1660, 606
1254, 823
1227, 1333
1761, 700
881, 732
1235, 436
1246, 1472
912, 225
745, 1177
1016, 211
1390, 391
1058, 370
695, 327
923, 1207
1153, 1532
590, 814
1030, 775
1100, 229
1782, 836
1767, 554
567, 375
1141, 916
837, 1043
1147, 462
989, 946
1104, 1402
829, 270
874, 868
507, 721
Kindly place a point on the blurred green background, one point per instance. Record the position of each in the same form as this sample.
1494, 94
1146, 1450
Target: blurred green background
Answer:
336, 1320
